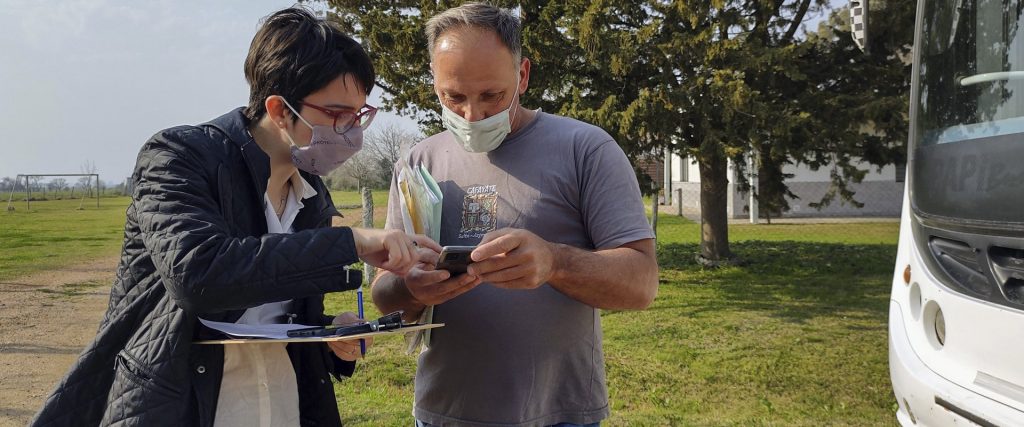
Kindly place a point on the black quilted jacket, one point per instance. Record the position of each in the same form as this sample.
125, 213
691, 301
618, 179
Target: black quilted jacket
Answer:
196, 246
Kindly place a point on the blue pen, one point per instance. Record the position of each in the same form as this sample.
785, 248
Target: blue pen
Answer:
359, 297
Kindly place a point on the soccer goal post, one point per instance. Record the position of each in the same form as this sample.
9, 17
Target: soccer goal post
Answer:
94, 180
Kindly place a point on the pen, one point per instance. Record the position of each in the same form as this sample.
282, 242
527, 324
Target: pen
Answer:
359, 299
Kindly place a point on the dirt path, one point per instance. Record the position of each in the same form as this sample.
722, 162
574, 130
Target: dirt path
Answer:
45, 321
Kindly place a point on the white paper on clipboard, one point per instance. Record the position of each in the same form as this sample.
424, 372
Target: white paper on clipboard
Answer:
278, 333
242, 330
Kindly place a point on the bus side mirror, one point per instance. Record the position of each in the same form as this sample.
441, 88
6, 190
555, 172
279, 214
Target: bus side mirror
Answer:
859, 23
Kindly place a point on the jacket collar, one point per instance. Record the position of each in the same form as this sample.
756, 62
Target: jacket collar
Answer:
234, 125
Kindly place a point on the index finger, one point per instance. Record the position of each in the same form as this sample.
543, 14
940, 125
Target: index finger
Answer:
500, 245
420, 278
397, 257
426, 256
426, 242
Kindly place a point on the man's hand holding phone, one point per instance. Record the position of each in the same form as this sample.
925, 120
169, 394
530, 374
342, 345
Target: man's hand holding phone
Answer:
454, 259
432, 284
514, 259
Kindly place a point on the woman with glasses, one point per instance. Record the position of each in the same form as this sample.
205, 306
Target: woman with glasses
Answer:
231, 222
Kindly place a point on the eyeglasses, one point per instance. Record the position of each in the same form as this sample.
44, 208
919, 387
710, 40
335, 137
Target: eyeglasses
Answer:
344, 120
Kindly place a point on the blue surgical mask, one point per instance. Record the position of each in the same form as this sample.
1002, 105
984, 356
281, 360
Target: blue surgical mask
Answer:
480, 136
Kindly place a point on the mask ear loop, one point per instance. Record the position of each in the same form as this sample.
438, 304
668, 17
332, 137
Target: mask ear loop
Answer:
296, 113
515, 102
508, 187
512, 201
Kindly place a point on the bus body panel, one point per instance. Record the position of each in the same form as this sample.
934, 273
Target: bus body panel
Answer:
978, 370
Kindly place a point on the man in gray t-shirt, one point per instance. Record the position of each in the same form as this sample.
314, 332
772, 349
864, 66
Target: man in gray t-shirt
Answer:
556, 211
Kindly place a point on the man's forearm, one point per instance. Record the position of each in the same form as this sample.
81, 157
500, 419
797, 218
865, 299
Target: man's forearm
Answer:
622, 278
390, 294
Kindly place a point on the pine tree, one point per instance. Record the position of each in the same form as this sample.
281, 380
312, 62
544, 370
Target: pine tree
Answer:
709, 79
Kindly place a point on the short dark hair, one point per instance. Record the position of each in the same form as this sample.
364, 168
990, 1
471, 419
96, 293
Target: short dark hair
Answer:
294, 54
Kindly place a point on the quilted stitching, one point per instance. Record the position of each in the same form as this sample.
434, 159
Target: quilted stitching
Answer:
181, 258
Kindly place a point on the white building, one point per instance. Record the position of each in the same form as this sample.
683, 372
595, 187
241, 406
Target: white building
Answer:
881, 191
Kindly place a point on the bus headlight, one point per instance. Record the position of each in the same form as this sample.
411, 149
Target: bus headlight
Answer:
934, 323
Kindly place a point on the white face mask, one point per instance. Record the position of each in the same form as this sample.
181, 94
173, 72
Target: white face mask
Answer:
480, 136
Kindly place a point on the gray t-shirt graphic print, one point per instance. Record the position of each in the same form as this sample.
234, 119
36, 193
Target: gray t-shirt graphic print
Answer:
479, 211
524, 357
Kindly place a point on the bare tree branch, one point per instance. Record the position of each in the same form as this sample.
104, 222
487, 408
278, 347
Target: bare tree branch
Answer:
797, 20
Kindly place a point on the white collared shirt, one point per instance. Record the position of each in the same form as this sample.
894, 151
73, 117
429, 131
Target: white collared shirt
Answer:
259, 387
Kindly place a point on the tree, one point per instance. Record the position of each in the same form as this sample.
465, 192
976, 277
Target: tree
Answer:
361, 169
34, 184
385, 144
88, 167
57, 186
373, 165
710, 79
871, 92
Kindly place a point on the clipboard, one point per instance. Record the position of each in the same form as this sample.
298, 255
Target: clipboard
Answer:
401, 330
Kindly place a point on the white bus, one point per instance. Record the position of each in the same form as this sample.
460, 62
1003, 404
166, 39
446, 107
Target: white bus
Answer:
956, 314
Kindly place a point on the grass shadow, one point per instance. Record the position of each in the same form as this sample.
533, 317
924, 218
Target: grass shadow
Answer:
17, 348
74, 289
793, 280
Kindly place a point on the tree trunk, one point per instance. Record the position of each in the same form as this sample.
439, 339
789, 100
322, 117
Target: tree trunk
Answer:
714, 187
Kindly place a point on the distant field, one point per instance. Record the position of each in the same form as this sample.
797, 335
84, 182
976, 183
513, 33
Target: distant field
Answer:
55, 233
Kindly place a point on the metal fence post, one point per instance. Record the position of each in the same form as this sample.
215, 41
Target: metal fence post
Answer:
10, 197
752, 170
368, 269
679, 202
654, 217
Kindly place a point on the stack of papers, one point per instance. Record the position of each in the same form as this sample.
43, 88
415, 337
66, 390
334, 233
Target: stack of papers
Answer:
274, 331
421, 214
421, 202
278, 333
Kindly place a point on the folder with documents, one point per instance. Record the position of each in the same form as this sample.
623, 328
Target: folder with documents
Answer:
420, 201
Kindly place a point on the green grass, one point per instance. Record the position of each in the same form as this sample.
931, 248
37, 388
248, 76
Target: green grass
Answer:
796, 336
55, 233
674, 229
353, 217
352, 198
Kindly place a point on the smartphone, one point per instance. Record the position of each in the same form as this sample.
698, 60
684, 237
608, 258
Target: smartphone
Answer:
455, 259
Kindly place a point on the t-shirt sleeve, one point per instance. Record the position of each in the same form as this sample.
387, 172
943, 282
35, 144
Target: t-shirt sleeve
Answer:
612, 205
394, 218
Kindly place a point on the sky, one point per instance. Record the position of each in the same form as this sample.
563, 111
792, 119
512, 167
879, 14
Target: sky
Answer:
92, 80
